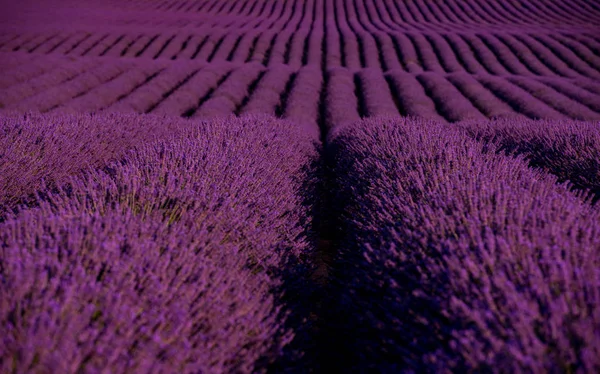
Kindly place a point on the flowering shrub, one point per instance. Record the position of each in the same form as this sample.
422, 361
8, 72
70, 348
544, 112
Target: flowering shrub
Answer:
453, 257
170, 258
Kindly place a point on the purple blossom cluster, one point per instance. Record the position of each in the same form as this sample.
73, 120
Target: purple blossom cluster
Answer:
170, 258
456, 258
113, 291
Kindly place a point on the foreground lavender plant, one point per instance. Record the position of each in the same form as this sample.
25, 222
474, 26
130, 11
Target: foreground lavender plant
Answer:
170, 259
456, 258
85, 292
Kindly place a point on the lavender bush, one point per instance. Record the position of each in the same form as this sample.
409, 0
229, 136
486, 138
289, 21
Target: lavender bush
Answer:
455, 258
568, 149
163, 260
37, 149
90, 292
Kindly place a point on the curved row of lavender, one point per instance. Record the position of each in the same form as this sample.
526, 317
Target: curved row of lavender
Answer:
538, 39
172, 257
499, 53
455, 258
570, 150
192, 89
405, 16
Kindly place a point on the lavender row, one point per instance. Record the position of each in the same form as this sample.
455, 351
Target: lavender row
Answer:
568, 149
302, 101
172, 258
107, 94
104, 306
187, 89
453, 257
449, 100
24, 72
438, 16
352, 40
341, 102
147, 97
58, 95
229, 96
266, 98
483, 99
33, 86
412, 97
570, 107
38, 149
186, 97
520, 100
576, 93
375, 93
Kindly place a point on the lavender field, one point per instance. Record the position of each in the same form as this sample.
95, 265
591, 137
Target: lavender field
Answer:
299, 186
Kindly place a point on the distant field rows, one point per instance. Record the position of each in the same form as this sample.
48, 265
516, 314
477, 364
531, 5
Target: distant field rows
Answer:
327, 46
317, 61
198, 89
356, 15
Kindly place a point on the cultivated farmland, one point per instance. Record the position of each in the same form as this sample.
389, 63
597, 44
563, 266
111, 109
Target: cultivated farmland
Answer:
237, 186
